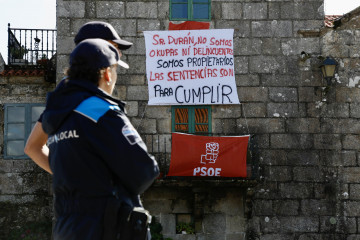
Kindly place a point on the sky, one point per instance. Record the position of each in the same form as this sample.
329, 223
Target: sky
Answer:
41, 14
340, 7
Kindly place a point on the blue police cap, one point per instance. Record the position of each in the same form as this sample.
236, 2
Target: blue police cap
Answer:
96, 53
103, 30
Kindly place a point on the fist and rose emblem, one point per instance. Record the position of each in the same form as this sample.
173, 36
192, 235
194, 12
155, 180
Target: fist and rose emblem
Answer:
212, 152
210, 156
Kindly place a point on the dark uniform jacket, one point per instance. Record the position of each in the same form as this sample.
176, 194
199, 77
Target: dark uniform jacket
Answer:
95, 153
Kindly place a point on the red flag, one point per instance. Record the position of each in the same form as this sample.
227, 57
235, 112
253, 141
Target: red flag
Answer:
189, 25
193, 155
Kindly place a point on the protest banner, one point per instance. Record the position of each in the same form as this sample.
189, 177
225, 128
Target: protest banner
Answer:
190, 67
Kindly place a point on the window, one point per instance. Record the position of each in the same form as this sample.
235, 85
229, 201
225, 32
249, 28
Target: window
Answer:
19, 120
196, 10
191, 119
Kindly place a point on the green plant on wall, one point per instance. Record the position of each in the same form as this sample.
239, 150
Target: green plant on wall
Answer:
185, 228
155, 229
18, 52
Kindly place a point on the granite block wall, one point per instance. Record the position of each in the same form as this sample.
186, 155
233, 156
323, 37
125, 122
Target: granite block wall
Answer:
305, 134
25, 190
304, 147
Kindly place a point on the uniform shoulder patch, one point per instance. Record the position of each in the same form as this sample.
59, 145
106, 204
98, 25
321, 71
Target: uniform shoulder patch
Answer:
130, 133
94, 108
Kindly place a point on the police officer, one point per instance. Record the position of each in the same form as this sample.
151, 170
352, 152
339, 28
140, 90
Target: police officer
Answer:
95, 155
35, 146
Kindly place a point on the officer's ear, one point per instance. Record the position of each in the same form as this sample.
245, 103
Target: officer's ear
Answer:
107, 74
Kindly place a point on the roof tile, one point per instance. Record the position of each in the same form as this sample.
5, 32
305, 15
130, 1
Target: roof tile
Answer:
330, 19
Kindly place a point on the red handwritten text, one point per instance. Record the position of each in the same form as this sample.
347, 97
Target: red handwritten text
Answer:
163, 53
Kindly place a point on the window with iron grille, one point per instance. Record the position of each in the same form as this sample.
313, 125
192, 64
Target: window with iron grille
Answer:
195, 10
191, 119
19, 120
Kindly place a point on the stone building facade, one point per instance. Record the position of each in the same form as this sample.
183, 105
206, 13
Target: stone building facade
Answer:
304, 149
25, 190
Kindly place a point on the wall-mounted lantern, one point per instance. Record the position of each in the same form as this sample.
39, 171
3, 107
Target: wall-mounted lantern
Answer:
328, 69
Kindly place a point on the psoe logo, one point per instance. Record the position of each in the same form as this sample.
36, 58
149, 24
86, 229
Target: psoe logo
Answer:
211, 154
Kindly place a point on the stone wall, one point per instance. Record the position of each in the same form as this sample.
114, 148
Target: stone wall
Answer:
304, 147
25, 190
218, 212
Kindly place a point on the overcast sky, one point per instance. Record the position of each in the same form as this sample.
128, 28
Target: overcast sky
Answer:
340, 7
42, 14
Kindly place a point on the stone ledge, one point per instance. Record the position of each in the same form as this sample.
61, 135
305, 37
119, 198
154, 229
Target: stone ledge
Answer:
204, 182
309, 33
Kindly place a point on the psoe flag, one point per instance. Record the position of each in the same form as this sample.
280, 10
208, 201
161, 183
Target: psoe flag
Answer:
193, 155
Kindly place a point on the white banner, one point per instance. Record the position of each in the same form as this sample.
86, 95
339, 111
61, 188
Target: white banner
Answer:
190, 67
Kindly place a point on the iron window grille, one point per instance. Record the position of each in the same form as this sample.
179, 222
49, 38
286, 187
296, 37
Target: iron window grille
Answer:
191, 119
